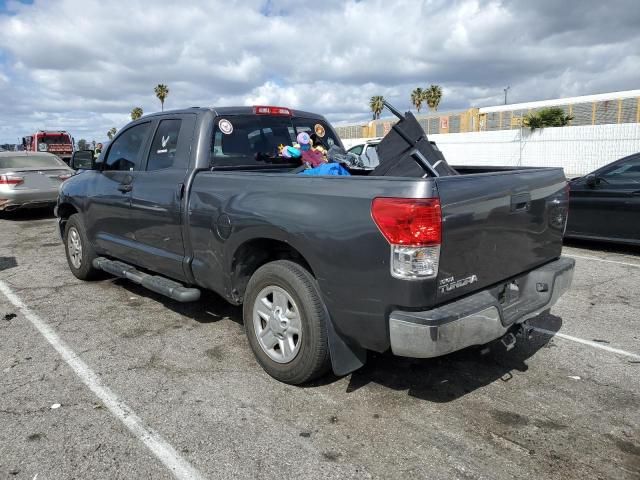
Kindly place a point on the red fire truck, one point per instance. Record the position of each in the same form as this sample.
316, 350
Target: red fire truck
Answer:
59, 143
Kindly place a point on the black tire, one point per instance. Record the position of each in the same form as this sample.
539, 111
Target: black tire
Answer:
312, 359
85, 271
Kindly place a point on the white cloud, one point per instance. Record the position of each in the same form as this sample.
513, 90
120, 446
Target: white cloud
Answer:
86, 73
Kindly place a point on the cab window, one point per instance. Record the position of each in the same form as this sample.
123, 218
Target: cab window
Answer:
124, 152
625, 172
165, 145
250, 140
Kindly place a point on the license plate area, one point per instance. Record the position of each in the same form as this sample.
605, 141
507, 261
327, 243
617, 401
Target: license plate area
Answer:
509, 293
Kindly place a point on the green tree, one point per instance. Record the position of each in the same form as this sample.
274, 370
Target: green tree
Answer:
162, 92
546, 117
82, 144
136, 113
376, 105
417, 97
432, 96
112, 133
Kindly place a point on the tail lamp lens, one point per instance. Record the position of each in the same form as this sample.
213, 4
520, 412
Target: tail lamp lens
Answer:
10, 180
408, 221
413, 227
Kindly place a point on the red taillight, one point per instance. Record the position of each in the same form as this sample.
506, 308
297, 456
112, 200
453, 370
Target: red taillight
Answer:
266, 110
408, 221
64, 176
10, 180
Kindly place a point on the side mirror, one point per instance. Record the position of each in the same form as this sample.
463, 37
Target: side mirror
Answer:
82, 159
591, 180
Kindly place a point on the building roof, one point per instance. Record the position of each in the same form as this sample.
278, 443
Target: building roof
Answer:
562, 101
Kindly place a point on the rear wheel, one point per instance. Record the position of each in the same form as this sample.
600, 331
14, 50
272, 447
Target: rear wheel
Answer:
286, 322
80, 253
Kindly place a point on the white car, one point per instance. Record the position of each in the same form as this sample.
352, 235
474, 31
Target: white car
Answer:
367, 153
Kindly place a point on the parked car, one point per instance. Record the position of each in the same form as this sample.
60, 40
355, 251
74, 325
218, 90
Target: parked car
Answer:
367, 153
326, 267
605, 204
30, 179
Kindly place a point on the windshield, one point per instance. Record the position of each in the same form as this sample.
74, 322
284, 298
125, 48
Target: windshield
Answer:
54, 139
253, 140
26, 161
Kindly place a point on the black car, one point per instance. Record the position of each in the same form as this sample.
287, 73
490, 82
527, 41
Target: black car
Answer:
605, 205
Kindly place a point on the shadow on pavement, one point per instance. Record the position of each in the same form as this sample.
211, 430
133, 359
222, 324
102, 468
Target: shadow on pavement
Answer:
28, 214
210, 308
7, 262
452, 376
602, 246
442, 379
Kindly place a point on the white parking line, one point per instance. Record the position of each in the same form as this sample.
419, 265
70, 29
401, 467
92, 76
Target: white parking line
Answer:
603, 260
588, 342
152, 440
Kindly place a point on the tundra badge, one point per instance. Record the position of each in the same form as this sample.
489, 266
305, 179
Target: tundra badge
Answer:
450, 283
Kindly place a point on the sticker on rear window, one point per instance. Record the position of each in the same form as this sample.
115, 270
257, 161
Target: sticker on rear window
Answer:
164, 144
225, 126
319, 129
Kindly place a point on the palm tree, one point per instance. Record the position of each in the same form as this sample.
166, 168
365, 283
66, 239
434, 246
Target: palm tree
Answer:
376, 105
417, 97
162, 91
111, 133
432, 96
136, 113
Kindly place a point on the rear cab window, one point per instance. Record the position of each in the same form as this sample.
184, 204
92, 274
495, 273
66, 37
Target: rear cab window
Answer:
250, 141
165, 145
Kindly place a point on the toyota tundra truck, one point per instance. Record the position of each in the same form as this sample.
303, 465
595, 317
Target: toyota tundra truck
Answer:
326, 268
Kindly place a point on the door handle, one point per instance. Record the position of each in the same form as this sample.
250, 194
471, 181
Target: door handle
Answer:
125, 187
520, 202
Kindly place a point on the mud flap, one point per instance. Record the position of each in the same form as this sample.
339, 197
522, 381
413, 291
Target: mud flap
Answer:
345, 358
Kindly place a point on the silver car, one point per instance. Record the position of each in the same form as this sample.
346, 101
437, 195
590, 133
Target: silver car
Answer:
30, 179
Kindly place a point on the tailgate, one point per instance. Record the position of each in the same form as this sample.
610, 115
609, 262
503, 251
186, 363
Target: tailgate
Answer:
496, 226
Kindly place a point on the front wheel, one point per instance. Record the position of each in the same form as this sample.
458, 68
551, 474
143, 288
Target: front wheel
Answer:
80, 253
286, 322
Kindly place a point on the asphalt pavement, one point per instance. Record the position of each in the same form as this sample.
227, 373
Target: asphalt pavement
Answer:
107, 380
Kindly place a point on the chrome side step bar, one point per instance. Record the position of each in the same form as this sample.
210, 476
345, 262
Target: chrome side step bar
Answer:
155, 283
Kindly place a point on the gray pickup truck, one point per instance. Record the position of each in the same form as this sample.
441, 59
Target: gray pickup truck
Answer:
326, 267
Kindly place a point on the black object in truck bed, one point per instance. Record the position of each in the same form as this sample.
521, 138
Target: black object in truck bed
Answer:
406, 151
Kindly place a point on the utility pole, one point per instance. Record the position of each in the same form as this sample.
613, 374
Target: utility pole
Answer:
505, 94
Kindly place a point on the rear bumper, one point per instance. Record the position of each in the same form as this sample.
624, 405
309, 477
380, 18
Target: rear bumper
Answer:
16, 198
479, 318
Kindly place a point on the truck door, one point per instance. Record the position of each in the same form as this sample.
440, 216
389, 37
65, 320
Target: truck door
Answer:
157, 197
108, 217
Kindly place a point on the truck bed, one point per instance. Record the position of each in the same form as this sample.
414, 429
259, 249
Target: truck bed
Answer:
496, 225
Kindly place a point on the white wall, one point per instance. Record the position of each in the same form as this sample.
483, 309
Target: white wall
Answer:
579, 150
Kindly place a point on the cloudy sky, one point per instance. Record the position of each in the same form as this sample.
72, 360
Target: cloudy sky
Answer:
81, 65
